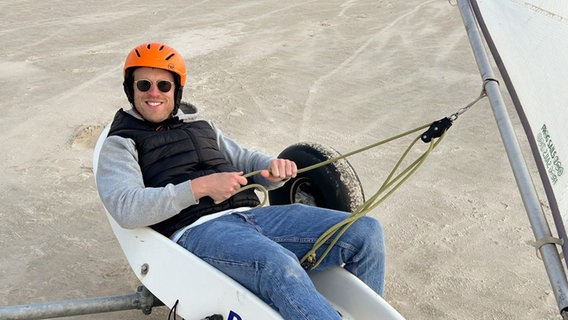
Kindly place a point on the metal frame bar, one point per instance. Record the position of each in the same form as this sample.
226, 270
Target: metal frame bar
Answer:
537, 219
142, 299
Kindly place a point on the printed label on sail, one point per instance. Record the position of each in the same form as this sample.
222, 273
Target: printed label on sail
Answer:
548, 151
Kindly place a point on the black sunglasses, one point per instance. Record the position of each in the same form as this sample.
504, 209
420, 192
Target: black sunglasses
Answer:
163, 85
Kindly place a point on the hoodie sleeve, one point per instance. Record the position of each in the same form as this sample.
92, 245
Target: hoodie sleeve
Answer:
122, 191
244, 159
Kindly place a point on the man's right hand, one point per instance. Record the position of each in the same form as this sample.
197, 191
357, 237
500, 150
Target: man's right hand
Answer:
218, 186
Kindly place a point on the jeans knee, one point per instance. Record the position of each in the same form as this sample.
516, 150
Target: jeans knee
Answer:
275, 262
372, 231
285, 267
280, 273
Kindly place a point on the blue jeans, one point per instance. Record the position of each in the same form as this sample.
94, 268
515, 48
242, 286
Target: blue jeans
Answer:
260, 249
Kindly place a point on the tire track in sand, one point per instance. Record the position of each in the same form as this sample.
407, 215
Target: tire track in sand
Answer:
320, 82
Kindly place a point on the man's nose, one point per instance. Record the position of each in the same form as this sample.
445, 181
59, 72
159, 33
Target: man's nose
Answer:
154, 90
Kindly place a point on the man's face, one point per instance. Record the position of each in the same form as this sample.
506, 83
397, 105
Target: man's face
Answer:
153, 104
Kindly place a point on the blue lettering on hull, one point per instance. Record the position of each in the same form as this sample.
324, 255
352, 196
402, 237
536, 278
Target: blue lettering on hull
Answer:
234, 316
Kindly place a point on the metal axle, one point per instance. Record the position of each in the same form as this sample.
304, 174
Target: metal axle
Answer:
142, 299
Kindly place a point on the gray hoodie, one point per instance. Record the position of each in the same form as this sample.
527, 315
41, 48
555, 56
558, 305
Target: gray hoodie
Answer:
132, 205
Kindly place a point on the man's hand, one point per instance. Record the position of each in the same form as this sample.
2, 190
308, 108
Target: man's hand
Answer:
280, 169
218, 186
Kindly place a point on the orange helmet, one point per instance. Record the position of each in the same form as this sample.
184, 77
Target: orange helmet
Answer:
155, 55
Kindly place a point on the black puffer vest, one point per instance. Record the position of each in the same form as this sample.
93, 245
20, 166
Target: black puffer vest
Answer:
175, 152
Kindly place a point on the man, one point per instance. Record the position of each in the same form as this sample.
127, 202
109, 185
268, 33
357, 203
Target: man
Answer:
181, 179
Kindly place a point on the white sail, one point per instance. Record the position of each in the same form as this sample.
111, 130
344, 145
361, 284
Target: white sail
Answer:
529, 41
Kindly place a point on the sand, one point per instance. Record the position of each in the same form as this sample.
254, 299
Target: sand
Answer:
270, 73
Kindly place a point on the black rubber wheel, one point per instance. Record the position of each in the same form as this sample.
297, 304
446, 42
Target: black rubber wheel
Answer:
333, 186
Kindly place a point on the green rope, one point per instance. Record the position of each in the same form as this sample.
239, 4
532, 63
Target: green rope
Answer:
310, 260
324, 163
392, 183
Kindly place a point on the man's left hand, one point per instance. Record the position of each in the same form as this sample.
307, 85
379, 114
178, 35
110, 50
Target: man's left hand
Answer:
280, 169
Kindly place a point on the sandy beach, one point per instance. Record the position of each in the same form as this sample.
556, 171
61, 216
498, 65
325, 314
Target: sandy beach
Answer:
270, 74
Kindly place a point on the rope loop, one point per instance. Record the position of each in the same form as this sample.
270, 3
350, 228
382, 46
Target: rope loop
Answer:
435, 134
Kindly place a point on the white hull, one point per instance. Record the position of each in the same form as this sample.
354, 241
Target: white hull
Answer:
173, 274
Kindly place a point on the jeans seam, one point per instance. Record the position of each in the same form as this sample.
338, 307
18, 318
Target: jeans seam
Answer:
341, 244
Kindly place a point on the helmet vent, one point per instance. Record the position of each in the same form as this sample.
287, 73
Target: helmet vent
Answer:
154, 55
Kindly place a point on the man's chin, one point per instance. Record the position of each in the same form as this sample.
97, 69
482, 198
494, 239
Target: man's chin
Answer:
155, 117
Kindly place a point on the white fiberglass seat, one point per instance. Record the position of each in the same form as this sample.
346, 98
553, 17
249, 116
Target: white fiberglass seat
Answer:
172, 274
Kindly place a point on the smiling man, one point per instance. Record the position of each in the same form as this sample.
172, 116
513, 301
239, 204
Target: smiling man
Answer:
153, 94
183, 180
